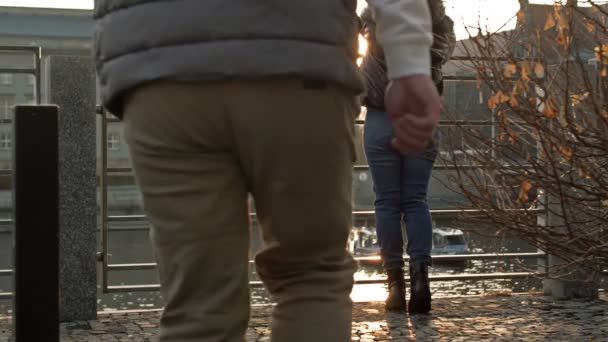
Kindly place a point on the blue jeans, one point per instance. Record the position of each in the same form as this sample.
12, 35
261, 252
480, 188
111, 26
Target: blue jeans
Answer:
401, 184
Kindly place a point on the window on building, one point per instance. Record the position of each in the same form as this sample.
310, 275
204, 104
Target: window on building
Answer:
113, 141
6, 79
31, 80
6, 106
5, 141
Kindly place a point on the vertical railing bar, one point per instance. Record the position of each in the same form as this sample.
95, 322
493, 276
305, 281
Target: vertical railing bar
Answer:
38, 76
104, 199
543, 263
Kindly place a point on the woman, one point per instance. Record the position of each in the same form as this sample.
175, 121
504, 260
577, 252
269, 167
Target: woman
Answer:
401, 181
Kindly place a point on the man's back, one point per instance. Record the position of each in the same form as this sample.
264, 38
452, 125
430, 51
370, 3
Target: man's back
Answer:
211, 40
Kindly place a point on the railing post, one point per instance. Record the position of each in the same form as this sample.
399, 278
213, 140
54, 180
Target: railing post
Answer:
103, 188
36, 214
565, 281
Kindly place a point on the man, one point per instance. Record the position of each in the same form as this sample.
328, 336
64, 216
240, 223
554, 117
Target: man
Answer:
221, 98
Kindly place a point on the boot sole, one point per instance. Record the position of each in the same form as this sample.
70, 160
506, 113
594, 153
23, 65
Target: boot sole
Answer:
403, 309
399, 307
421, 306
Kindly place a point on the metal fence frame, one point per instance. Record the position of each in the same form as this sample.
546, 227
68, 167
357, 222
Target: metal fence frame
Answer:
106, 219
36, 72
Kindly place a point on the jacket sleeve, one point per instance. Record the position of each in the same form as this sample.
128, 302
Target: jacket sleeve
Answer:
405, 32
444, 38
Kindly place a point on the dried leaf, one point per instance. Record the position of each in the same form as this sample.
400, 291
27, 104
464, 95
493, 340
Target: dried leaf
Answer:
525, 71
523, 197
502, 137
497, 99
577, 99
492, 103
590, 26
550, 110
550, 23
526, 186
514, 103
601, 53
561, 39
562, 21
518, 89
566, 152
502, 97
513, 138
521, 16
524, 86
510, 69
539, 70
535, 292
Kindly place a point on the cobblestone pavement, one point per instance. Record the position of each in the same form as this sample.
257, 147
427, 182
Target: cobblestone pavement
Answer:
499, 318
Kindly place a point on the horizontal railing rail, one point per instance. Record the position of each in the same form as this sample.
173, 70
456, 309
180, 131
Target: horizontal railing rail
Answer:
17, 71
10, 48
123, 170
367, 281
371, 259
139, 218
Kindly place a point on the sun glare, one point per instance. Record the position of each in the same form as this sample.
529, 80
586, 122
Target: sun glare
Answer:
362, 49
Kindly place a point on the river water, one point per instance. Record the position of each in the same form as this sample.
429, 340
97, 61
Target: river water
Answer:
128, 243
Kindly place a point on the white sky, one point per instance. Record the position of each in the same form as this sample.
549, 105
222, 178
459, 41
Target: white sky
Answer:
492, 14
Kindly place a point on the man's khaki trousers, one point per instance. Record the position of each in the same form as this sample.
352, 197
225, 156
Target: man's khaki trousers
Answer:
198, 150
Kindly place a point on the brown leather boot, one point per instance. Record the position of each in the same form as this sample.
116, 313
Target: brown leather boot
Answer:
420, 291
396, 290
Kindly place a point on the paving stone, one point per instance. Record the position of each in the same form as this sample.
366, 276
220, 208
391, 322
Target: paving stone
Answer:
506, 318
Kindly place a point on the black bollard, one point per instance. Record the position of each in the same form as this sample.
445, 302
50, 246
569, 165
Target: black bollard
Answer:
36, 230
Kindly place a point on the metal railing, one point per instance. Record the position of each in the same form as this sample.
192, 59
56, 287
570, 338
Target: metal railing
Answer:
369, 281
370, 259
103, 256
106, 219
35, 71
